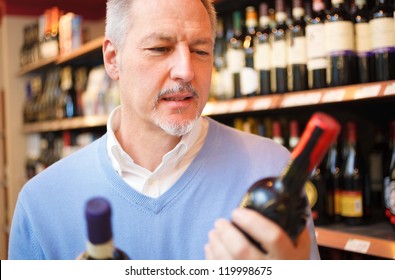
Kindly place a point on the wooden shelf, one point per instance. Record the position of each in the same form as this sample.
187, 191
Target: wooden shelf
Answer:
342, 94
65, 124
89, 47
377, 239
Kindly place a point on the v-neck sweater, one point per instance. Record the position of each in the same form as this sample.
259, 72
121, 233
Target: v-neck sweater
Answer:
49, 222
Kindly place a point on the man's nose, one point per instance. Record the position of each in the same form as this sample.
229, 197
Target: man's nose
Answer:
182, 67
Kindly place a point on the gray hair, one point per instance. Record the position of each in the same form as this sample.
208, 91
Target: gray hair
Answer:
118, 19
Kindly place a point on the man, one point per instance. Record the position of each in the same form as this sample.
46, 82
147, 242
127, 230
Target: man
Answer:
170, 174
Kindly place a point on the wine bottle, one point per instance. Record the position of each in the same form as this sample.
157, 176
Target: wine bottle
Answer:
316, 54
389, 182
364, 55
316, 195
100, 245
383, 40
262, 56
235, 54
355, 192
294, 136
297, 50
281, 199
249, 77
339, 45
277, 134
331, 173
280, 53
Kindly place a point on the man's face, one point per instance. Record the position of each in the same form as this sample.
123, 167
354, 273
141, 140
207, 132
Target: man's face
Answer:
165, 64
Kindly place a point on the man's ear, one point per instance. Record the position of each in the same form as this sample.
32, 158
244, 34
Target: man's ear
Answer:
110, 59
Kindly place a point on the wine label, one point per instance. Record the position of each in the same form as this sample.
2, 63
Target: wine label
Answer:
262, 57
339, 36
362, 38
297, 51
249, 80
317, 63
312, 193
279, 54
351, 204
235, 60
382, 33
315, 41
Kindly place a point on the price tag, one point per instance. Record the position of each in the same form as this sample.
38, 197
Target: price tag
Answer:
238, 105
390, 89
334, 96
356, 245
262, 104
367, 92
301, 99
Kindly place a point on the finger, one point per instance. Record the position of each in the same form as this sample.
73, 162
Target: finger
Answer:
216, 249
236, 243
264, 231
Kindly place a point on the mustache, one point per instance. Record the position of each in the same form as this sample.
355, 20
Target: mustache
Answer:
187, 87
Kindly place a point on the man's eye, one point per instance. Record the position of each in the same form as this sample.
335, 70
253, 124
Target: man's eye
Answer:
159, 49
203, 53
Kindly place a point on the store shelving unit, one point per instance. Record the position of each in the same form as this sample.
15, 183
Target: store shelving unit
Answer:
376, 239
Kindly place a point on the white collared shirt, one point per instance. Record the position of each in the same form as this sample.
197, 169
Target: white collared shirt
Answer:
173, 164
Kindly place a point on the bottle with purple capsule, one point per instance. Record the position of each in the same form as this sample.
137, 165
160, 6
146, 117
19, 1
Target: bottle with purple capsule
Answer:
100, 245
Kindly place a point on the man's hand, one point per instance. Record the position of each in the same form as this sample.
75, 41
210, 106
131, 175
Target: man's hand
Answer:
227, 242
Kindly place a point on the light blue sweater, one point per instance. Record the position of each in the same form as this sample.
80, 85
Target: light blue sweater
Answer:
49, 222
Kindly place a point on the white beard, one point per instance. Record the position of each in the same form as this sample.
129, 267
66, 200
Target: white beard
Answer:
178, 128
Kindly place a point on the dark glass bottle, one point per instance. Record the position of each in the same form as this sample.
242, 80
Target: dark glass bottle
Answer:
363, 50
100, 239
262, 58
297, 50
249, 76
389, 182
339, 45
316, 194
235, 54
383, 40
316, 54
294, 135
279, 47
67, 103
282, 199
355, 191
331, 174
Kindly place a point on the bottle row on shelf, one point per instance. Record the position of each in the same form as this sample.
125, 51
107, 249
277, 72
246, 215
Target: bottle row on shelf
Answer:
352, 185
54, 32
45, 149
277, 53
65, 92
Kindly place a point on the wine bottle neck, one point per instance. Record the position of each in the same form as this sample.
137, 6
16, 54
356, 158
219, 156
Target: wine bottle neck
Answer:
304, 160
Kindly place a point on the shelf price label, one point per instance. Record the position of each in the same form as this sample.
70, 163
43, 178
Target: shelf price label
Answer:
336, 95
357, 245
301, 99
390, 89
367, 92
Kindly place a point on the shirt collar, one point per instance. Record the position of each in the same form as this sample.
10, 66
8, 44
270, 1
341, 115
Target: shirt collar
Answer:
121, 161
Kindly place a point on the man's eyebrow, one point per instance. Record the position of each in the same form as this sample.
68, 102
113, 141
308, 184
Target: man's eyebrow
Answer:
156, 36
202, 41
